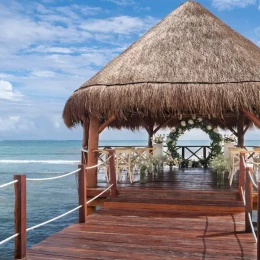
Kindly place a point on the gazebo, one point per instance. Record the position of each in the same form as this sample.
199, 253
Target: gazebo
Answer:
190, 63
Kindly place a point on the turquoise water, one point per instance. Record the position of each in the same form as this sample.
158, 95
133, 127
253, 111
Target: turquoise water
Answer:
45, 200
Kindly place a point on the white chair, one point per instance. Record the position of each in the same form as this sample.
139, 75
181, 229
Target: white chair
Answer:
123, 162
234, 161
103, 155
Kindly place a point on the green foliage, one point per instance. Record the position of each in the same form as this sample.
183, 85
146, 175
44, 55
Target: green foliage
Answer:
216, 138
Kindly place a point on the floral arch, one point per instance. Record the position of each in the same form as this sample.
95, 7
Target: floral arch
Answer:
204, 125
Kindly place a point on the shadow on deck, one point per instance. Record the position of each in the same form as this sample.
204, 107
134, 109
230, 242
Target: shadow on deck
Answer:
175, 215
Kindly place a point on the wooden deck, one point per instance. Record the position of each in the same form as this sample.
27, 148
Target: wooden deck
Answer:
176, 215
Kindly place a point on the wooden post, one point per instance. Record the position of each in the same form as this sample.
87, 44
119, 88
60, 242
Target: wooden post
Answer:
258, 222
20, 216
248, 199
183, 152
92, 157
112, 173
84, 157
204, 152
242, 170
240, 130
82, 182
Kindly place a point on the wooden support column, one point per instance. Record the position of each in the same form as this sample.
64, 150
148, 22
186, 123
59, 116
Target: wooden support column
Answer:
248, 199
82, 182
92, 157
149, 128
20, 217
84, 157
252, 117
106, 123
240, 130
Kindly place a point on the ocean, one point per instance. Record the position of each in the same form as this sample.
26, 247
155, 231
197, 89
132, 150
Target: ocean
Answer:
48, 199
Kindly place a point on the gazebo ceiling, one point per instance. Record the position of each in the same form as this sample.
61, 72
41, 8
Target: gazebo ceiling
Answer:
189, 63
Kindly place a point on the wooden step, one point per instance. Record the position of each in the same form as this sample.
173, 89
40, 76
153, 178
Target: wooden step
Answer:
174, 204
178, 194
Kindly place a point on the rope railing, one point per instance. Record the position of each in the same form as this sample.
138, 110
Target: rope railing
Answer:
9, 238
97, 165
15, 235
243, 196
20, 201
252, 226
52, 178
7, 184
53, 219
100, 194
251, 178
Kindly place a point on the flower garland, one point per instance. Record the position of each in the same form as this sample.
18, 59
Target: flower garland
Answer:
215, 145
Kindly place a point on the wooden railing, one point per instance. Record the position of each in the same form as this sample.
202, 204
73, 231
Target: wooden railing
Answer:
246, 186
20, 202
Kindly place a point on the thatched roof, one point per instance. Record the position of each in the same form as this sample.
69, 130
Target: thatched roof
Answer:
189, 63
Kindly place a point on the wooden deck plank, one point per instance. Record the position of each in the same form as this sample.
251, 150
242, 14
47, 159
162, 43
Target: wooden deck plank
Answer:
164, 219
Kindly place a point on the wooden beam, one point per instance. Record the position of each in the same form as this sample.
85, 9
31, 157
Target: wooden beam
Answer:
92, 157
161, 125
229, 128
106, 123
240, 130
252, 117
247, 127
248, 199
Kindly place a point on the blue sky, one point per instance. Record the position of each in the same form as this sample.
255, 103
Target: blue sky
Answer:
48, 48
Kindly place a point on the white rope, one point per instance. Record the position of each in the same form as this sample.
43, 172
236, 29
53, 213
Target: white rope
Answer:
9, 238
243, 196
53, 219
53, 178
252, 227
95, 166
82, 150
7, 184
99, 194
251, 178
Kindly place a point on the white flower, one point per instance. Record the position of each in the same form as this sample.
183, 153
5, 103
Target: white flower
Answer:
199, 119
180, 131
215, 130
209, 127
191, 122
183, 123
168, 140
173, 130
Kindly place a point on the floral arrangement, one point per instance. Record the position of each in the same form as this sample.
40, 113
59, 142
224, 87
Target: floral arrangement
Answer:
176, 132
229, 138
220, 163
158, 139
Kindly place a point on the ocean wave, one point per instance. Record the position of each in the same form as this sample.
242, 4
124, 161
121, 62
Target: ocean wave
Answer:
38, 161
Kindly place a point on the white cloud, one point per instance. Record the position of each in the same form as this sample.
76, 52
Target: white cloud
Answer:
119, 25
230, 4
43, 73
7, 92
15, 124
122, 2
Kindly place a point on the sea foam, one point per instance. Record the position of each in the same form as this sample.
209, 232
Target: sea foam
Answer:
38, 161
